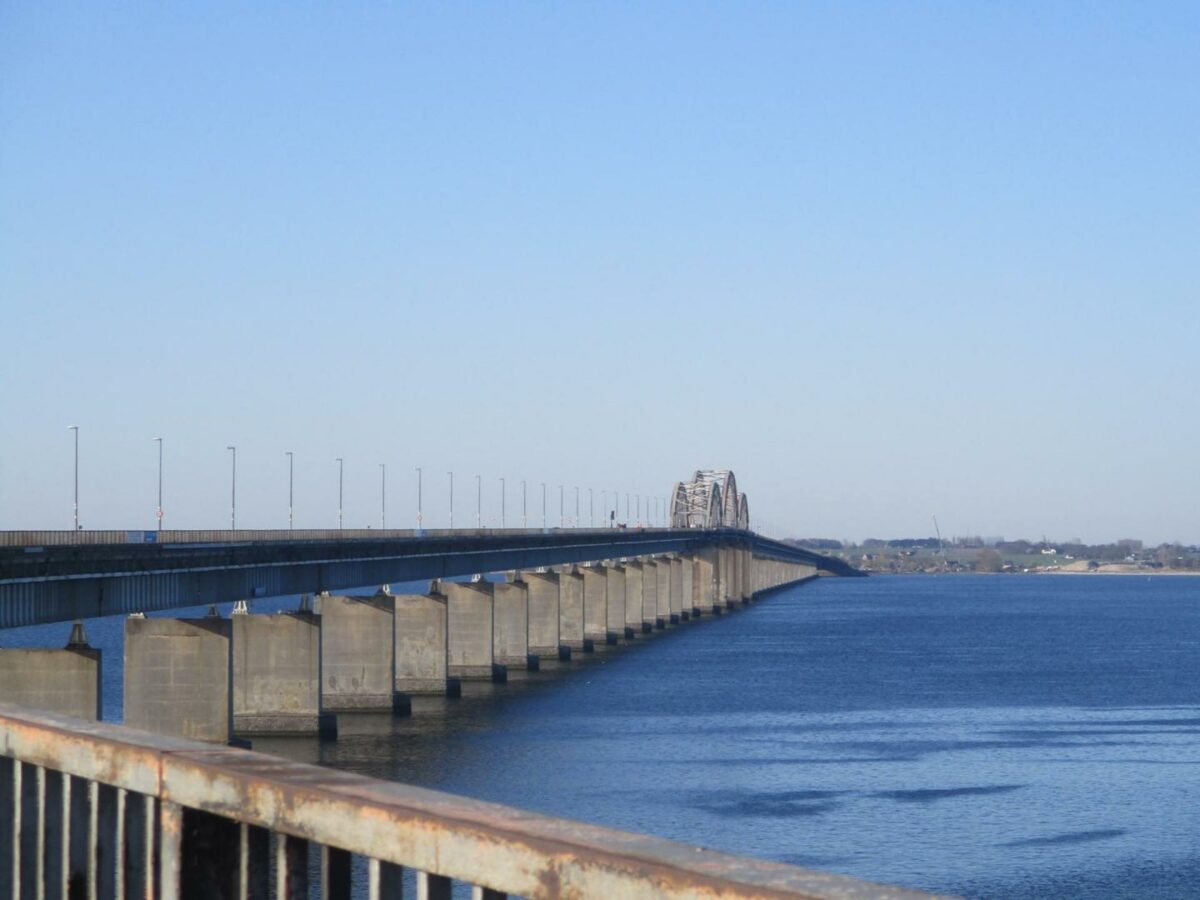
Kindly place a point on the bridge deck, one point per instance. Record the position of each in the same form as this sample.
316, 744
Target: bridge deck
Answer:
61, 576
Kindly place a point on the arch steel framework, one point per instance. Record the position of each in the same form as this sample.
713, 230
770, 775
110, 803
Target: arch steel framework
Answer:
709, 500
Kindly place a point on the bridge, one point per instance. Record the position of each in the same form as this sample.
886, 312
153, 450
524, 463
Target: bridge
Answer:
122, 810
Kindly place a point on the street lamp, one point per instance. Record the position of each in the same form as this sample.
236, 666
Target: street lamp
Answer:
233, 490
418, 498
75, 428
562, 519
591, 508
524, 507
543, 506
291, 473
451, 474
576, 506
638, 500
158, 513
502, 502
383, 496
479, 501
341, 468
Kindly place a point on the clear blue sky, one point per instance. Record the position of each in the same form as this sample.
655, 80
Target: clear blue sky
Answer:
883, 260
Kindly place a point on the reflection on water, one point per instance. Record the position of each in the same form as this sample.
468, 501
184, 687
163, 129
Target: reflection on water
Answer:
995, 737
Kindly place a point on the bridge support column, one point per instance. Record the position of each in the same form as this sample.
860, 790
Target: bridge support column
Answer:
678, 613
743, 587
595, 605
704, 583
544, 639
59, 681
635, 575
615, 581
421, 646
469, 614
277, 676
570, 610
358, 655
510, 625
179, 677
650, 594
725, 578
662, 591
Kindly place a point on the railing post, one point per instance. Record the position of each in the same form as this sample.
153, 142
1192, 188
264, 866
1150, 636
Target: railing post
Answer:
335, 873
254, 863
10, 825
139, 845
291, 868
432, 887
170, 846
384, 881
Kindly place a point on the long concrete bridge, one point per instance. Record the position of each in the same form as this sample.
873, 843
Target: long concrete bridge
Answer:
522, 597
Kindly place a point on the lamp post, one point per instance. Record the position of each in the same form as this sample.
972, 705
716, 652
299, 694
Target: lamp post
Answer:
627, 507
524, 507
576, 506
75, 428
591, 509
479, 501
502, 502
419, 474
543, 506
233, 490
604, 502
383, 496
341, 469
451, 474
562, 518
291, 473
158, 513
638, 501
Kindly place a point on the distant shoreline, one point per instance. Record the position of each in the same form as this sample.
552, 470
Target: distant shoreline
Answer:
1150, 573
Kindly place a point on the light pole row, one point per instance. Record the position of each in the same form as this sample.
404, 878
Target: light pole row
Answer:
159, 513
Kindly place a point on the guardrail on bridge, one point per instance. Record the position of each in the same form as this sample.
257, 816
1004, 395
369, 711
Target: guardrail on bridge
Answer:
97, 810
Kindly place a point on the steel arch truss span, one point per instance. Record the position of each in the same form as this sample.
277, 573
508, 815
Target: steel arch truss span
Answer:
709, 500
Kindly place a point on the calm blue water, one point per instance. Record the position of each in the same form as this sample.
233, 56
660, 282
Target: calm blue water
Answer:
989, 736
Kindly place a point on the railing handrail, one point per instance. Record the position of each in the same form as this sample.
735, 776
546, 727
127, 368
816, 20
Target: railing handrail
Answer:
485, 844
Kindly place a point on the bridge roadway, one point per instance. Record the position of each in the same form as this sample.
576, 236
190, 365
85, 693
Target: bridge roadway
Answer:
60, 576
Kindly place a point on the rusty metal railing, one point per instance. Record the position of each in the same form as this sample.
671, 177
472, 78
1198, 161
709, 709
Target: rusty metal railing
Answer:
89, 809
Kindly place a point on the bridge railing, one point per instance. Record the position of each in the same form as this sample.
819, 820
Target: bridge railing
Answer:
269, 535
99, 810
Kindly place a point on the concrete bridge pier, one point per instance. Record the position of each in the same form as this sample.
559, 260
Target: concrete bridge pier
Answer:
544, 639
510, 625
570, 610
724, 577
277, 676
682, 574
618, 623
469, 629
63, 681
595, 605
662, 593
544, 621
650, 594
421, 644
358, 655
179, 677
743, 587
635, 575
704, 584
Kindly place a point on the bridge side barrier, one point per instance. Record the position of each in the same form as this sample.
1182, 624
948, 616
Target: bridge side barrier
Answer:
105, 809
